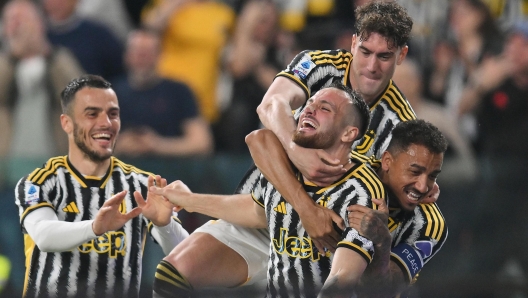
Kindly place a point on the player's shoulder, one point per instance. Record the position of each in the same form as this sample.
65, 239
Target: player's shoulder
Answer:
128, 169
434, 222
47, 171
367, 176
397, 102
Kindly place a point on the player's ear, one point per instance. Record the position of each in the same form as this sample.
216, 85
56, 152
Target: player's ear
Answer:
66, 123
354, 41
386, 161
350, 134
402, 55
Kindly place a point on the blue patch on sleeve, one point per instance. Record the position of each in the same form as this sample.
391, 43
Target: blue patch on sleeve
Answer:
409, 257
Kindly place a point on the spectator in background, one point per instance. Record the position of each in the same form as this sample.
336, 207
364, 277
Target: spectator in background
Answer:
194, 33
111, 14
252, 62
32, 74
160, 116
497, 92
460, 162
96, 48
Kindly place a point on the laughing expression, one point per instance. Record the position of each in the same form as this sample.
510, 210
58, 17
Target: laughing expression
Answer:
411, 174
318, 127
96, 122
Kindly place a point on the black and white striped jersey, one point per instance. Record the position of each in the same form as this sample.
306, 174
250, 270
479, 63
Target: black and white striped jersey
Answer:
296, 268
108, 266
416, 237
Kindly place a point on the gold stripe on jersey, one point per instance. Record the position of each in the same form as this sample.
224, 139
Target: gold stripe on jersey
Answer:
392, 225
39, 175
365, 253
359, 156
373, 179
29, 246
339, 59
127, 169
256, 200
71, 208
435, 225
72, 173
367, 143
32, 208
281, 208
395, 100
292, 77
174, 278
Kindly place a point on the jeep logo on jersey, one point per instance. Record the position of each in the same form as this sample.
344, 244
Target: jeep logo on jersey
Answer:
295, 247
112, 243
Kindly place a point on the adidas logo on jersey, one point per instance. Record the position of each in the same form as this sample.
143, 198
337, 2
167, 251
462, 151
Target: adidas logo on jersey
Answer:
281, 208
71, 208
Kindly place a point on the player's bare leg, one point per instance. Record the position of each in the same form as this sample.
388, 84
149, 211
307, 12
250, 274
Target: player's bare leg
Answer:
198, 262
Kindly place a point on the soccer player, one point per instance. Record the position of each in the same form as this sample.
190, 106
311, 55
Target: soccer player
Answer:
332, 120
379, 44
83, 231
415, 231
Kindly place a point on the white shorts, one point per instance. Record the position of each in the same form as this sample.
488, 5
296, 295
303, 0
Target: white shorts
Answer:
251, 244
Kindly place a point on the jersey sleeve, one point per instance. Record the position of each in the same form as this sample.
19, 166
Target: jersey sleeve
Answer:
30, 196
413, 252
258, 191
352, 240
299, 70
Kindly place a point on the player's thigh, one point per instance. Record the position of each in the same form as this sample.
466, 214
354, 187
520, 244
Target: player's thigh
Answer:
207, 262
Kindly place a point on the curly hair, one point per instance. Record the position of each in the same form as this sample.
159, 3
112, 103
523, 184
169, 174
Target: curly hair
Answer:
388, 19
418, 132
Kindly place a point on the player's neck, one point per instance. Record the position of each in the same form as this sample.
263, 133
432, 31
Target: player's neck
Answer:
84, 165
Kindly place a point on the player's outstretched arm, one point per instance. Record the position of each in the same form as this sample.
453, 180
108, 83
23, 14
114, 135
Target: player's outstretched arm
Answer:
238, 209
383, 277
271, 159
347, 268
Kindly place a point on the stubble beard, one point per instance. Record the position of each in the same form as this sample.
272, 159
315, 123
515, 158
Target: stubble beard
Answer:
81, 144
322, 140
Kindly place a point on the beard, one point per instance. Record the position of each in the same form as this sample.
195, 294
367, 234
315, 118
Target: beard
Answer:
93, 155
322, 140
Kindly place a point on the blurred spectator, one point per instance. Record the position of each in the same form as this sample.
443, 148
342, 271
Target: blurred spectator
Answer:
460, 162
509, 12
94, 46
498, 92
159, 116
476, 38
194, 33
32, 75
253, 61
110, 13
429, 25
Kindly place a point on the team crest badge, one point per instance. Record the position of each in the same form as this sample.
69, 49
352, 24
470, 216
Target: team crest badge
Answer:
32, 194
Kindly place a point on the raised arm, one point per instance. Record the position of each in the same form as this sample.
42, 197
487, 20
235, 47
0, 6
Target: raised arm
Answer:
271, 159
218, 206
347, 268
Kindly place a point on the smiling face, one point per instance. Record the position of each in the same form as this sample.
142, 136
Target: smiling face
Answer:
94, 124
374, 64
411, 173
321, 122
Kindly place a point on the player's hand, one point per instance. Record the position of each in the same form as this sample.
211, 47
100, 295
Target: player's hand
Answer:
432, 195
315, 164
371, 223
155, 208
318, 222
110, 218
176, 193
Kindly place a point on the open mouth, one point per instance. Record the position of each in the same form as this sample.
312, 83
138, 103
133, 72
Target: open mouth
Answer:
413, 195
309, 124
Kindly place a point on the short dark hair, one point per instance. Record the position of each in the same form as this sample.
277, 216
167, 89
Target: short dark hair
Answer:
68, 94
418, 132
388, 19
362, 111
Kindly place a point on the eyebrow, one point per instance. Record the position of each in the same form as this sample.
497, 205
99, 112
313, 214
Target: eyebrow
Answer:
97, 109
422, 168
377, 54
